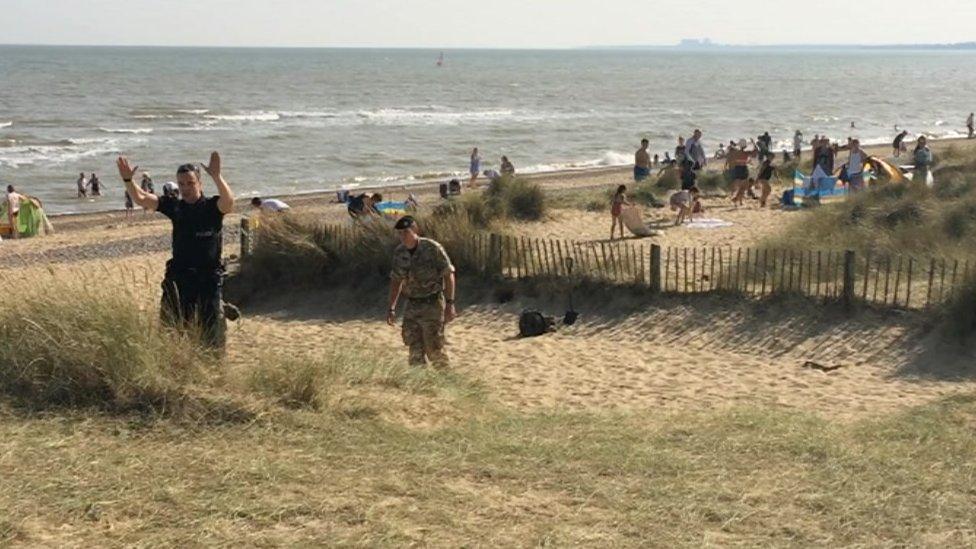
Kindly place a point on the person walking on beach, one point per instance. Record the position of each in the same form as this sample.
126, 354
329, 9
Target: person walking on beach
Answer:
898, 144
797, 144
681, 151
82, 186
424, 275
923, 161
14, 199
474, 168
617, 204
969, 125
128, 205
95, 185
738, 162
192, 286
766, 173
642, 162
695, 151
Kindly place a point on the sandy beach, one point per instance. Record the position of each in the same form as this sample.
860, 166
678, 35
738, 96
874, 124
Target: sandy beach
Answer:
627, 352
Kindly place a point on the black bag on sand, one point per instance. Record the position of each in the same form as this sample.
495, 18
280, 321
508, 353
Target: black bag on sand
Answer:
533, 323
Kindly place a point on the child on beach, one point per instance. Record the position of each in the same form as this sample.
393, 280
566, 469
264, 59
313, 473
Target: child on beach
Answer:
684, 202
617, 204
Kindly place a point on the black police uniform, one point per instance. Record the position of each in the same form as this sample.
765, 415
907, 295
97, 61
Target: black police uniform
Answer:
192, 287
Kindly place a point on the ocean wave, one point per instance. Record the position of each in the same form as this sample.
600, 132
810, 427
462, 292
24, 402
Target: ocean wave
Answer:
126, 130
15, 157
308, 114
254, 116
6, 124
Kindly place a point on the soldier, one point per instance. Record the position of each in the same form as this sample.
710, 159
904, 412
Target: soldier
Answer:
423, 272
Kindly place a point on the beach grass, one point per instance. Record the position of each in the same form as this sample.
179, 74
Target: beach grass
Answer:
497, 477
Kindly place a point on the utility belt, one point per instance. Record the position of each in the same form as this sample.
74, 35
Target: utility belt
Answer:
427, 299
176, 272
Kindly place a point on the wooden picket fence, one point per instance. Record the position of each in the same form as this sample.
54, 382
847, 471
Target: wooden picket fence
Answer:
893, 281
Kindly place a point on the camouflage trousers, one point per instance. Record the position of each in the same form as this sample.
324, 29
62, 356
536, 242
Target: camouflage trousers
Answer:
423, 332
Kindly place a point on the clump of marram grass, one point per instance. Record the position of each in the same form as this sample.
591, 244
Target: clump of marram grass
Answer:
958, 315
900, 218
310, 381
67, 342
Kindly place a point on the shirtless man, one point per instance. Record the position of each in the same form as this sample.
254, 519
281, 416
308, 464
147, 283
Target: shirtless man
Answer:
738, 161
642, 162
14, 200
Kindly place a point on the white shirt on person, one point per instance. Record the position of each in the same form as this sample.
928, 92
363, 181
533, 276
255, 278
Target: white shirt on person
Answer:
274, 205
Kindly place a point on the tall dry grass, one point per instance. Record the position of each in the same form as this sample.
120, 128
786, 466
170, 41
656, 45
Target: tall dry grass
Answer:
79, 339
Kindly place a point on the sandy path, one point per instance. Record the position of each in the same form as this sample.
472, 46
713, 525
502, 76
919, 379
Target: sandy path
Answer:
628, 354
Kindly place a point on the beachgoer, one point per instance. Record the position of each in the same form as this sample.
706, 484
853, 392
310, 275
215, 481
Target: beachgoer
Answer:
642, 162
656, 160
683, 202
695, 151
617, 204
128, 205
824, 155
14, 200
667, 158
797, 144
897, 144
192, 285
720, 153
969, 125
363, 205
687, 175
923, 161
492, 174
422, 272
855, 164
147, 184
171, 189
269, 204
680, 151
738, 162
766, 172
508, 169
474, 168
95, 184
82, 185
765, 145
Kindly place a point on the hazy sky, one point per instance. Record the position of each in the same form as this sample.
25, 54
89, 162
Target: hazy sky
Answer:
494, 23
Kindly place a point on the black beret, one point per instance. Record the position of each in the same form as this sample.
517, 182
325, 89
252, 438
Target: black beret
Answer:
405, 222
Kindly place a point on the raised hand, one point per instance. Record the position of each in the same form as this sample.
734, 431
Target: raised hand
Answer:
213, 169
125, 171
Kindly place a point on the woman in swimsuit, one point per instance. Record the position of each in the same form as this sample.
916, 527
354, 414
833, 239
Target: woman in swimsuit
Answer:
475, 167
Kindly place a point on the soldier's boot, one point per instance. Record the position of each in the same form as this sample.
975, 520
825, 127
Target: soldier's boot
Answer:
417, 357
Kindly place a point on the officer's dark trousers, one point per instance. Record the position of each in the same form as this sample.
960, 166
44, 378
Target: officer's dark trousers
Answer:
192, 300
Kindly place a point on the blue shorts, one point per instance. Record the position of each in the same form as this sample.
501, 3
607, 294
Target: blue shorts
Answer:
640, 173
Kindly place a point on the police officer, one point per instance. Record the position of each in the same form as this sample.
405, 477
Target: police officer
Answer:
194, 276
423, 273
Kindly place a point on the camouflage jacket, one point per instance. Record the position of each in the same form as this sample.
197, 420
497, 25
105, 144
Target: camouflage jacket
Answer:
423, 270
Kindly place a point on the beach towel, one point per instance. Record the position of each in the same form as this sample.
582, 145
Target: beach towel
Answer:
392, 208
708, 224
634, 222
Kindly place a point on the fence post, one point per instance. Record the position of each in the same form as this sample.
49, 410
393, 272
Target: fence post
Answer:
245, 237
655, 268
495, 255
848, 279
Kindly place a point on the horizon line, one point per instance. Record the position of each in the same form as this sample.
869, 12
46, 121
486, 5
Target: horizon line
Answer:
673, 46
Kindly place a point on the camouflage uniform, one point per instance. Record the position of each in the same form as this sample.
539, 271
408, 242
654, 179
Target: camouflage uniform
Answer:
423, 273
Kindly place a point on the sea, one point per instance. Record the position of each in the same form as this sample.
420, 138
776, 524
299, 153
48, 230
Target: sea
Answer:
290, 121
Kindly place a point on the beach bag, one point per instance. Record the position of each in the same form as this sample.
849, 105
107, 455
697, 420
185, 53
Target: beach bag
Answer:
532, 323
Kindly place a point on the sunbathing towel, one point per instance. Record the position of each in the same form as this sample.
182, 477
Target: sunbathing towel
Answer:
708, 224
631, 217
